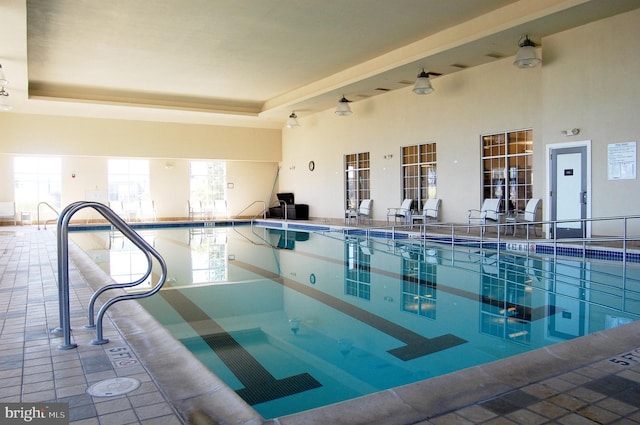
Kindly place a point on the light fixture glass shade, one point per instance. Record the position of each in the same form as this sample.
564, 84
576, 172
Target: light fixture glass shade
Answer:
343, 107
4, 106
3, 79
292, 122
423, 84
527, 55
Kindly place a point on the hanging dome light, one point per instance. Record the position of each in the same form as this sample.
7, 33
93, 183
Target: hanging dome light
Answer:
292, 122
3, 79
527, 57
343, 107
423, 84
4, 106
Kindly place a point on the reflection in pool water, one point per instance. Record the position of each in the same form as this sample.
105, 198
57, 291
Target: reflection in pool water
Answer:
292, 320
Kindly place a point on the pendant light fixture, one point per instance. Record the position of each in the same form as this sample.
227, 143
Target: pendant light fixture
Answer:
423, 84
292, 122
3, 95
527, 57
343, 108
3, 79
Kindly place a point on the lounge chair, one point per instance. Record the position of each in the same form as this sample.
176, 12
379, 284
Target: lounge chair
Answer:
490, 211
526, 217
147, 211
430, 211
8, 211
363, 211
195, 210
403, 212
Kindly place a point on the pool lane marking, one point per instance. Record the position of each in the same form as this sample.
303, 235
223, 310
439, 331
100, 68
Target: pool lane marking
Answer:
259, 385
416, 344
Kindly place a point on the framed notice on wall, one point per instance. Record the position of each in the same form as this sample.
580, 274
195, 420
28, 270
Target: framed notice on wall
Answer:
621, 159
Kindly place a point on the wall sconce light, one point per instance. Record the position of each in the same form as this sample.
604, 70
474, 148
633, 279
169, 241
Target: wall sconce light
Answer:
572, 132
526, 57
169, 165
292, 122
343, 108
423, 84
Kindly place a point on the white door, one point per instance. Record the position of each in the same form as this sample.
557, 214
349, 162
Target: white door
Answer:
569, 194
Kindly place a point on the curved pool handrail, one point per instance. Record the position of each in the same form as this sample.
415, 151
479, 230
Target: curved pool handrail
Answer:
63, 269
46, 221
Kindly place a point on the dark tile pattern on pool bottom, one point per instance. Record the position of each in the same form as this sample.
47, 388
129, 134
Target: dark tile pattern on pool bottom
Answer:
259, 385
416, 344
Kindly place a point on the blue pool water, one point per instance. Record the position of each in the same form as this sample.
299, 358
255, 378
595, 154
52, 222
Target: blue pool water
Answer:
293, 320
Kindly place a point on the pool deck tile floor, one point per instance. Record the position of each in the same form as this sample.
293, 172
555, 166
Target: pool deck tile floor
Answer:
589, 380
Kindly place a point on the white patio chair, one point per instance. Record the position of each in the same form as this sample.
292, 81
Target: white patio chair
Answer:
403, 212
490, 211
526, 217
363, 211
430, 211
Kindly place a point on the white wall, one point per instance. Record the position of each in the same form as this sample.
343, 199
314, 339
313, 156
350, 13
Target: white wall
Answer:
491, 98
85, 146
588, 80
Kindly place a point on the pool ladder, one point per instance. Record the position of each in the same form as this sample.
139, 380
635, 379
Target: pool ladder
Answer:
63, 272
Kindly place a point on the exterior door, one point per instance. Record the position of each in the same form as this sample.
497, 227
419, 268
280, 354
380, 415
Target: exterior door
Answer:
569, 194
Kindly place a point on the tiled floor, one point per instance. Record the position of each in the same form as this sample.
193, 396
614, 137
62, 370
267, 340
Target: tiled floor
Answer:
590, 380
33, 369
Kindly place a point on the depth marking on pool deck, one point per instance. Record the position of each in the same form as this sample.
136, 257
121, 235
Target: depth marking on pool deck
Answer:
416, 344
259, 385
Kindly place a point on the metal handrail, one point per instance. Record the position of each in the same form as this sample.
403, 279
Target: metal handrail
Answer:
63, 270
47, 221
457, 233
264, 209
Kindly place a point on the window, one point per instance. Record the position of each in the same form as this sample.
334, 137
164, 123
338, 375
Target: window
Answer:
419, 287
357, 280
419, 173
129, 181
507, 168
208, 182
127, 263
208, 255
357, 179
36, 180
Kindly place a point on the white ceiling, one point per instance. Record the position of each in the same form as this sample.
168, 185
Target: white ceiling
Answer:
252, 62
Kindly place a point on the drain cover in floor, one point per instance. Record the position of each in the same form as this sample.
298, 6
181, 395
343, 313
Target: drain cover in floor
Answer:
113, 387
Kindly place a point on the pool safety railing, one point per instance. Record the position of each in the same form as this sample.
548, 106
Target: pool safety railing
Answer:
49, 220
63, 271
616, 234
263, 213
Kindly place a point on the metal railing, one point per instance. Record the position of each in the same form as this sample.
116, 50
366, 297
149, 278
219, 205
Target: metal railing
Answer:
47, 221
263, 212
63, 271
616, 237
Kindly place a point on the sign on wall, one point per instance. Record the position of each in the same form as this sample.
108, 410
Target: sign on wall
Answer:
622, 160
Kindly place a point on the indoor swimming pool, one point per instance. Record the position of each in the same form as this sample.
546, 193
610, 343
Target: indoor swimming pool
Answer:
292, 320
